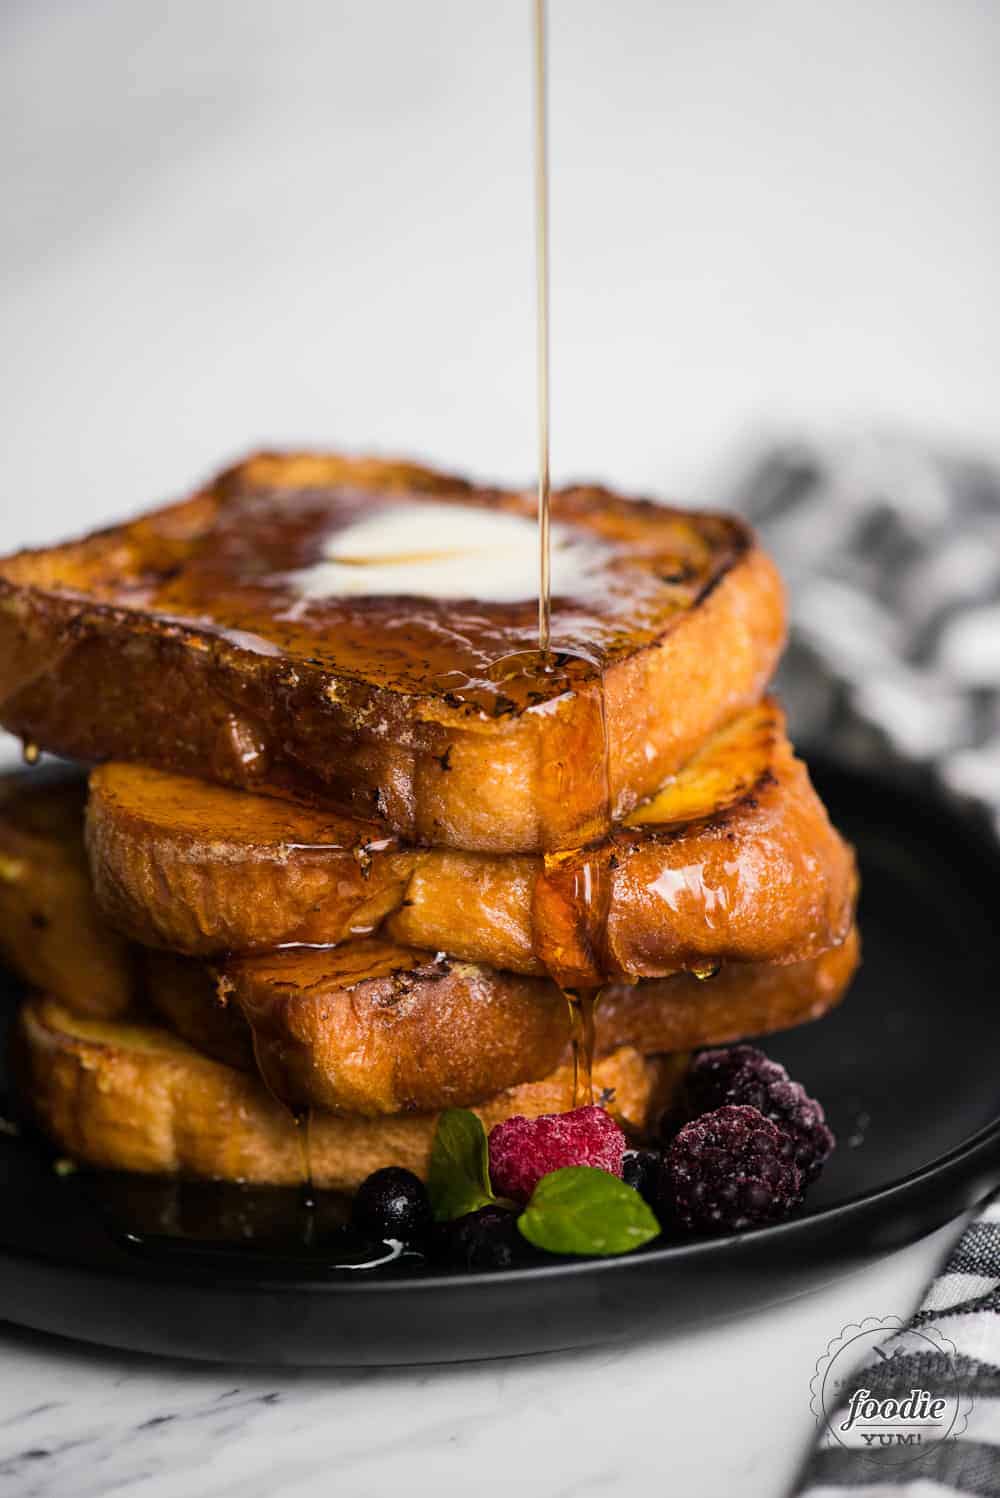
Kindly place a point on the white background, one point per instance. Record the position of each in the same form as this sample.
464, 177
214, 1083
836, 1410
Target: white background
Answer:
227, 224
230, 222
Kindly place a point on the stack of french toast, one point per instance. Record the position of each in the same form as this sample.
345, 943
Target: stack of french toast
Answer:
340, 848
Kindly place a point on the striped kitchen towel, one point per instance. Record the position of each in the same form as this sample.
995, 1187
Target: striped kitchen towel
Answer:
950, 1351
892, 556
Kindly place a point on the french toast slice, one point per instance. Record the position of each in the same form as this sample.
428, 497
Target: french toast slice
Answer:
137, 1098
367, 1028
437, 1035
51, 931
362, 634
370, 1027
734, 859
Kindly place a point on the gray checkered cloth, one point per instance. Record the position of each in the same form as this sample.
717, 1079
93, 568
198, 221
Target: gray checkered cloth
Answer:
963, 1307
892, 555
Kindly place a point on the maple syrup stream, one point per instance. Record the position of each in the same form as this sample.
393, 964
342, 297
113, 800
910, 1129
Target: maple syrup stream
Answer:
301, 1116
542, 311
582, 1002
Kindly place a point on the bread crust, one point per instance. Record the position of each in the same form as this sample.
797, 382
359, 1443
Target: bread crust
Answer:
369, 1028
51, 931
734, 860
93, 628
136, 1098
743, 999
423, 1037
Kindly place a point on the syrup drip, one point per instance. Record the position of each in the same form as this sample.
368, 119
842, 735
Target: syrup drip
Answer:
582, 1006
569, 917
542, 292
570, 905
241, 751
302, 1119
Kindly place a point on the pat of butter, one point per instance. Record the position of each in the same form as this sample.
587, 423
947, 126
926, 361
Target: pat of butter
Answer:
432, 550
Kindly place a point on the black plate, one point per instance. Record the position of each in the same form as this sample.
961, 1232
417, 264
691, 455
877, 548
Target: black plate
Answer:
906, 1069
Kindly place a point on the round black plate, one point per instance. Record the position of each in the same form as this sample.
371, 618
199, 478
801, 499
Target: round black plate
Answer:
906, 1068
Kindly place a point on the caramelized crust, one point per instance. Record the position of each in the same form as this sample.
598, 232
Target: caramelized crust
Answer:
132, 1097
733, 859
193, 867
184, 995
743, 999
766, 880
51, 931
384, 704
420, 1038
369, 1028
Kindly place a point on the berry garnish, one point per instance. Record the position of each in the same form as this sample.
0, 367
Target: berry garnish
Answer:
742, 1074
392, 1203
732, 1169
643, 1171
486, 1239
523, 1150
571, 1208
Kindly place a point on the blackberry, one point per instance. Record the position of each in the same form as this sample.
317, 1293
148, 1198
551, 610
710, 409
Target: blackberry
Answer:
732, 1169
486, 1239
392, 1203
711, 1073
742, 1074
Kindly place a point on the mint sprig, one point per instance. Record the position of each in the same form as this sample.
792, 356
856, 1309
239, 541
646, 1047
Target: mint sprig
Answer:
458, 1180
581, 1209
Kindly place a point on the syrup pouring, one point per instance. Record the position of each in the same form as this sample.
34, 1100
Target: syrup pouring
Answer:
581, 895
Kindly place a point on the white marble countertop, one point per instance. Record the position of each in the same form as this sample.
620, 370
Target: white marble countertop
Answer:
238, 223
721, 1411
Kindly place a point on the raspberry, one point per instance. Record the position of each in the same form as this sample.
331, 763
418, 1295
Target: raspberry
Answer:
522, 1150
742, 1074
732, 1169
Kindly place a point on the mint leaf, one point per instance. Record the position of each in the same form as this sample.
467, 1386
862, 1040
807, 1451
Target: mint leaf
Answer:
583, 1210
458, 1180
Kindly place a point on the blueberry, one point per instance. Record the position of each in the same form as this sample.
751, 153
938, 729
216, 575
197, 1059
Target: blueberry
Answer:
643, 1171
487, 1239
392, 1203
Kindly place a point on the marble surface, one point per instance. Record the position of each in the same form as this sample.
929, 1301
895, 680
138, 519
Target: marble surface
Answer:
231, 223
721, 1411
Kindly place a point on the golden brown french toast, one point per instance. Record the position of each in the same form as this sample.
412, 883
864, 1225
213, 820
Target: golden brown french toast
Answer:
51, 931
193, 867
370, 1028
362, 634
752, 998
734, 859
435, 1035
136, 1097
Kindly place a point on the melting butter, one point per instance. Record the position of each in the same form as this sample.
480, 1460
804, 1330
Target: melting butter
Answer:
429, 549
